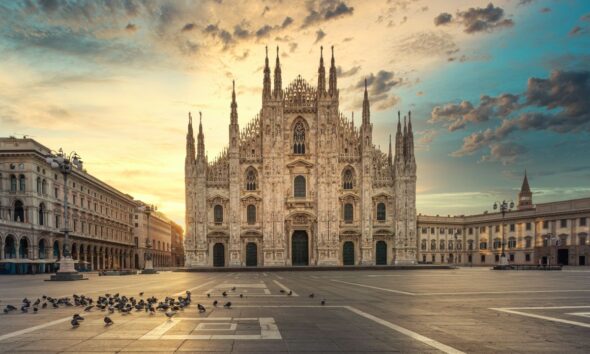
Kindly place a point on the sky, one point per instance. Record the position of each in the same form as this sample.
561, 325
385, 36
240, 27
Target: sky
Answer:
494, 87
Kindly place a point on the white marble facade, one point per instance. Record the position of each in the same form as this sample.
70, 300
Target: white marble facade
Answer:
301, 185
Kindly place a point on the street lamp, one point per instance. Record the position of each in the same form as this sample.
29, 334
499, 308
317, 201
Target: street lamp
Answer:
504, 207
456, 249
65, 163
149, 264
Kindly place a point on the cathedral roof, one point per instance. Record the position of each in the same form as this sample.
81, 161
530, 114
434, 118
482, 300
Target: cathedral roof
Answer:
525, 185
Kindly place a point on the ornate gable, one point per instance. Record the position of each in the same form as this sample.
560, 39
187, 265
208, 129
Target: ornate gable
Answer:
300, 97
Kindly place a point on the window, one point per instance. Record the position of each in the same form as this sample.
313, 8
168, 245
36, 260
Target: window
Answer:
545, 224
347, 179
55, 192
483, 245
471, 230
497, 258
251, 214
38, 185
512, 242
381, 212
57, 221
12, 183
19, 211
582, 221
21, 183
424, 230
459, 245
299, 187
582, 240
497, 228
511, 257
512, 227
482, 229
423, 245
299, 138
433, 245
441, 231
497, 243
42, 214
432, 230
528, 226
348, 213
442, 245
450, 245
470, 245
433, 258
528, 242
483, 258
563, 222
251, 180
218, 214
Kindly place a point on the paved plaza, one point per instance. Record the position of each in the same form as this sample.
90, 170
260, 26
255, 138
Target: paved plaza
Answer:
420, 311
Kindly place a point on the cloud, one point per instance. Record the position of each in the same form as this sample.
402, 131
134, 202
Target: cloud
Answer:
292, 47
287, 22
379, 86
443, 19
575, 31
131, 28
263, 31
427, 44
346, 73
319, 11
559, 104
191, 26
545, 10
319, 35
483, 19
456, 116
505, 153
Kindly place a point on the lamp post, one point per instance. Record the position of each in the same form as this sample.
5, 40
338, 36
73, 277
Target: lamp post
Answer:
456, 249
65, 163
149, 264
504, 207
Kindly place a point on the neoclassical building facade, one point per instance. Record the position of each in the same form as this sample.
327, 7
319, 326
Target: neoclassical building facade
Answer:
104, 223
300, 185
544, 233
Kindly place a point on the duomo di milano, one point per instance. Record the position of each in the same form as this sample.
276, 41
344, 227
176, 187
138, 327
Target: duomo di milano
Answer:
301, 185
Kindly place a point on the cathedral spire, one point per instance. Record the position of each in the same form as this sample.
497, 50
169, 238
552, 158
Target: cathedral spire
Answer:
525, 196
398, 140
389, 159
190, 140
278, 92
200, 139
321, 75
410, 140
333, 90
234, 105
366, 109
266, 80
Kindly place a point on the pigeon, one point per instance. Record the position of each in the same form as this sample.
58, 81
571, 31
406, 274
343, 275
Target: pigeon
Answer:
227, 305
35, 309
233, 288
169, 314
141, 293
24, 309
75, 323
77, 317
201, 308
88, 308
290, 293
215, 303
44, 305
323, 302
311, 296
152, 310
224, 294
241, 296
107, 321
208, 295
282, 291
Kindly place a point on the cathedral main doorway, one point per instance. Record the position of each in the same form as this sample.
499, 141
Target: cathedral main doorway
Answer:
251, 254
348, 253
381, 253
218, 255
300, 248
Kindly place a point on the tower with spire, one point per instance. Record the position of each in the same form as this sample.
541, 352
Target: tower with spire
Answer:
300, 184
525, 196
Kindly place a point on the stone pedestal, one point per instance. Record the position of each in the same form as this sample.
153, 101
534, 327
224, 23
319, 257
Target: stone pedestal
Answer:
149, 267
503, 261
67, 271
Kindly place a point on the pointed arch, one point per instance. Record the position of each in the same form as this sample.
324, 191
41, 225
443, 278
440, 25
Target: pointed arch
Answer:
348, 178
299, 137
251, 179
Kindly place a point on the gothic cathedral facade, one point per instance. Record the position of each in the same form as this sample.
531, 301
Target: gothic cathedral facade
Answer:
301, 185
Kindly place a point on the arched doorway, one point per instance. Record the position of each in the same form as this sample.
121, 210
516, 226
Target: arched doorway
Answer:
348, 253
9, 247
299, 248
251, 254
381, 253
136, 261
218, 255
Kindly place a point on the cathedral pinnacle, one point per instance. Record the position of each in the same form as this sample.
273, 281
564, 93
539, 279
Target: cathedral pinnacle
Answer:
234, 105
200, 138
366, 109
278, 91
266, 80
190, 140
333, 90
321, 75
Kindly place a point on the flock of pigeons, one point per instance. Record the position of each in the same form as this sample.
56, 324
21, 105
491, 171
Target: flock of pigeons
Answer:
122, 304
